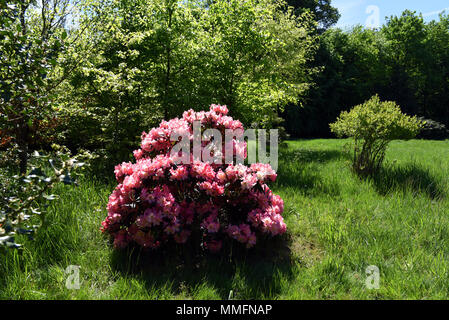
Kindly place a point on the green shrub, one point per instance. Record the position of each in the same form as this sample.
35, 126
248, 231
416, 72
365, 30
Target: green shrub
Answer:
24, 197
373, 125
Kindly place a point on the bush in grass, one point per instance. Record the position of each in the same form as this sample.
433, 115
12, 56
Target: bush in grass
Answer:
23, 197
158, 202
373, 125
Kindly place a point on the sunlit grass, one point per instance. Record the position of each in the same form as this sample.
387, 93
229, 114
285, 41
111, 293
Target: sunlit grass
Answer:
337, 226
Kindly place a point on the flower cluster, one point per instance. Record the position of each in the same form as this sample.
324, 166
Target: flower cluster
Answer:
159, 200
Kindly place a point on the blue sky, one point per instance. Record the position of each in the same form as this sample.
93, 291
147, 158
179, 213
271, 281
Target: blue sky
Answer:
354, 11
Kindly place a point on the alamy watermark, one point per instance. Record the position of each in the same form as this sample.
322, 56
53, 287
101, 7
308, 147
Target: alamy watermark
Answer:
73, 280
211, 147
372, 277
373, 20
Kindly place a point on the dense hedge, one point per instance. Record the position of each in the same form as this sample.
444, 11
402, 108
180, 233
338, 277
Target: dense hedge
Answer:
372, 125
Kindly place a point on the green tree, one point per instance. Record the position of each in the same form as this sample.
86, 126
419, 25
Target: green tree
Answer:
325, 14
144, 61
258, 53
406, 59
435, 99
140, 60
351, 72
31, 42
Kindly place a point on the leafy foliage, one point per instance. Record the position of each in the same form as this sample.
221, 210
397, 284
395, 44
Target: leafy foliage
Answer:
143, 61
350, 71
373, 125
406, 61
433, 130
324, 13
24, 197
32, 38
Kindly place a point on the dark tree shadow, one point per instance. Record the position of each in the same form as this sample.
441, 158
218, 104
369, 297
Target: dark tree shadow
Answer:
307, 155
410, 177
257, 269
299, 169
308, 182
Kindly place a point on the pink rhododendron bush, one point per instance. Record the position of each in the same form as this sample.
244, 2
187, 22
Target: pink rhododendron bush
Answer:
159, 201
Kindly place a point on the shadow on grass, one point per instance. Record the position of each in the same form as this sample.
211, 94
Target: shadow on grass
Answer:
299, 169
287, 155
410, 177
250, 274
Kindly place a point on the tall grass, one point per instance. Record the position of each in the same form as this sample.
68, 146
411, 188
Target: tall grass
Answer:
337, 224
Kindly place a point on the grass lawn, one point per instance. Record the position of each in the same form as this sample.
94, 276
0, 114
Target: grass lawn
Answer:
338, 225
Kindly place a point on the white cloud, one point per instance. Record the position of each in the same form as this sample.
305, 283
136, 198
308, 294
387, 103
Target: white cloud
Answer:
433, 13
345, 5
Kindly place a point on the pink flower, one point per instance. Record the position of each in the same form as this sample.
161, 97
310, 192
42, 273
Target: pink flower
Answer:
278, 226
249, 181
219, 109
146, 195
189, 115
115, 218
138, 154
211, 224
159, 199
203, 170
221, 176
172, 228
131, 182
263, 171
277, 204
151, 217
241, 233
180, 173
213, 245
254, 216
122, 170
121, 239
212, 189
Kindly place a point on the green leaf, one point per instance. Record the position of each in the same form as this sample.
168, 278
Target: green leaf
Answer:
66, 179
50, 197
